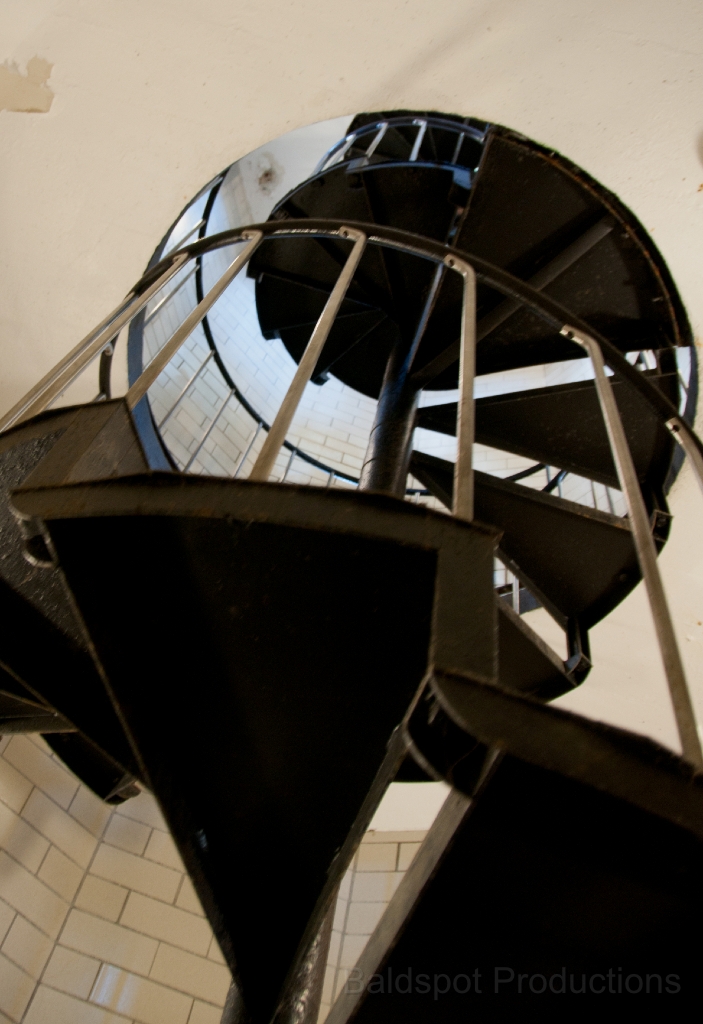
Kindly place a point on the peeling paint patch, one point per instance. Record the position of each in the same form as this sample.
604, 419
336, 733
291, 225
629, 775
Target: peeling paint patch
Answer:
28, 93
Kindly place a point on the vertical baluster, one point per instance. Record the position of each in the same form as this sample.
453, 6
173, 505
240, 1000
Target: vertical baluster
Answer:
289, 405
463, 470
207, 433
249, 447
184, 391
422, 128
288, 466
377, 139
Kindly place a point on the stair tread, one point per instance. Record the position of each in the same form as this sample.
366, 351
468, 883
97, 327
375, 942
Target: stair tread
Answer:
563, 426
579, 562
217, 625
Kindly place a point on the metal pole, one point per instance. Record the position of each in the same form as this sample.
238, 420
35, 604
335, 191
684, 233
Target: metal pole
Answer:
175, 405
457, 148
646, 552
65, 372
288, 465
689, 446
207, 433
249, 447
164, 357
465, 427
280, 426
422, 128
379, 136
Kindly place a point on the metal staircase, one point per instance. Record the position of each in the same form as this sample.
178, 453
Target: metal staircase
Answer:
315, 643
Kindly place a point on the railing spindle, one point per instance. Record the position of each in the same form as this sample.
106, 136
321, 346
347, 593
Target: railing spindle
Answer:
465, 427
280, 426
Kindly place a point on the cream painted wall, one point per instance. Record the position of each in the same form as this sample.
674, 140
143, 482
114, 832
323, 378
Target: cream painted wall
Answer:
153, 97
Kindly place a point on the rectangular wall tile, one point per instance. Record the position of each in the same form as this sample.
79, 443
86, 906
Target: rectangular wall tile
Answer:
58, 826
104, 899
61, 874
406, 854
204, 1013
14, 787
7, 916
215, 953
92, 813
143, 808
16, 989
21, 840
375, 886
42, 770
31, 897
162, 848
191, 974
352, 948
127, 834
27, 947
144, 1001
188, 898
136, 873
71, 972
377, 857
363, 917
107, 941
161, 921
52, 1007
393, 837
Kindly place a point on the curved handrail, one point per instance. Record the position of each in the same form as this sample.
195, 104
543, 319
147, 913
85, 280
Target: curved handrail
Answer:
381, 126
548, 309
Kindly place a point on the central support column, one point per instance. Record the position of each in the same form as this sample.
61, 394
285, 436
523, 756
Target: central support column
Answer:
387, 457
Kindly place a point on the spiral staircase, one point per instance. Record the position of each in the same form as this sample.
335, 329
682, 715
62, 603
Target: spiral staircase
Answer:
314, 644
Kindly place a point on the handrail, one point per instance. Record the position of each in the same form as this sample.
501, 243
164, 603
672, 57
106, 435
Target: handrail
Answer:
340, 148
67, 369
547, 308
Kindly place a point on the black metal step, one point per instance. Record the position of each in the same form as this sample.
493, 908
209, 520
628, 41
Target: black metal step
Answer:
526, 205
526, 664
286, 629
579, 562
577, 854
42, 645
423, 198
563, 426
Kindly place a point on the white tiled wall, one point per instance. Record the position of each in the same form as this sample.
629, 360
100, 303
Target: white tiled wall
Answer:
372, 878
98, 921
99, 924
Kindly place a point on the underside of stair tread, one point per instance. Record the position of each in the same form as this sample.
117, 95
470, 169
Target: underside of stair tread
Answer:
579, 562
274, 747
506, 228
563, 426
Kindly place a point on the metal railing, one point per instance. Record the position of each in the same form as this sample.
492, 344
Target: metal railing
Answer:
471, 269
369, 138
